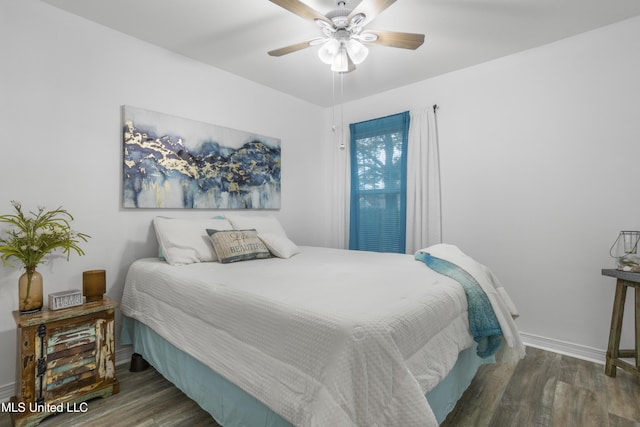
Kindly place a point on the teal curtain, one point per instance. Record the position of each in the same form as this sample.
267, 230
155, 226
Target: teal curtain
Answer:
379, 184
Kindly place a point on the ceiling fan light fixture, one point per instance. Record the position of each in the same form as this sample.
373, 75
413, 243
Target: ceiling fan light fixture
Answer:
328, 51
340, 62
357, 51
345, 38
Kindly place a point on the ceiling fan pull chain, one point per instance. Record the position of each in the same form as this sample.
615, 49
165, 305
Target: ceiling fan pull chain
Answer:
333, 104
341, 145
337, 130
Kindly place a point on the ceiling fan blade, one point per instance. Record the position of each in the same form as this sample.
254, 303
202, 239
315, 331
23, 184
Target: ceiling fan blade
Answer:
301, 9
396, 39
290, 49
371, 9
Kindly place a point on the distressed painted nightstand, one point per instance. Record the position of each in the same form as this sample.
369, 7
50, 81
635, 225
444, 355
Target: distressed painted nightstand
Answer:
65, 357
624, 280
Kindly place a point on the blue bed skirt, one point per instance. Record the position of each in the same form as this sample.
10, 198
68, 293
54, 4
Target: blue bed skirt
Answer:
231, 406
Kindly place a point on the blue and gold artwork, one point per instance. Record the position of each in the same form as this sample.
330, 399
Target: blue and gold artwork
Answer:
171, 162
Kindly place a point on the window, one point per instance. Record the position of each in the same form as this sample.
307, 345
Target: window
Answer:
378, 184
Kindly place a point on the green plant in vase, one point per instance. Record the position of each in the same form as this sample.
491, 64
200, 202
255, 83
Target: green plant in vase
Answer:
30, 239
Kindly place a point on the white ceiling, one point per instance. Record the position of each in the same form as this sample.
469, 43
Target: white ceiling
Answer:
235, 35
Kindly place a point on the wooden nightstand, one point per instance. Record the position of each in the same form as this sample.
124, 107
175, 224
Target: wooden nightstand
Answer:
65, 357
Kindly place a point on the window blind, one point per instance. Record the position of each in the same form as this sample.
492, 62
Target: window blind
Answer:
378, 184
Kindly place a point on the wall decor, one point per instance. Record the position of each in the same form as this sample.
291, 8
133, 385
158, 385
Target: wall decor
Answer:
172, 162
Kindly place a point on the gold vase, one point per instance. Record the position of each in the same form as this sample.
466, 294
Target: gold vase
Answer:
30, 291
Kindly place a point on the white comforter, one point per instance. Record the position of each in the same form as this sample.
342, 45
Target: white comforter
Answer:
326, 338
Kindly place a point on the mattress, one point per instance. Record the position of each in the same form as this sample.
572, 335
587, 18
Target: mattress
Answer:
327, 337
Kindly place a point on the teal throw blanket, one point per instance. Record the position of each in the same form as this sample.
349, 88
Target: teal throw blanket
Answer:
483, 323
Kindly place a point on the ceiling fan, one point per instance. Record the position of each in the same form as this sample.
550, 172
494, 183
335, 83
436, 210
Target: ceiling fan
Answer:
343, 44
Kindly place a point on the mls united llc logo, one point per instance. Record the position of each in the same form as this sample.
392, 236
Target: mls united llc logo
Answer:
19, 407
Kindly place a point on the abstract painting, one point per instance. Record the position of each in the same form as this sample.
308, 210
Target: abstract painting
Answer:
171, 162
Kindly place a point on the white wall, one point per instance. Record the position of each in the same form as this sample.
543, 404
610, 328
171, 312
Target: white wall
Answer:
62, 82
540, 153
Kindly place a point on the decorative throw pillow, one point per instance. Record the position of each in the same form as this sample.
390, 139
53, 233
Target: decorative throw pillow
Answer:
237, 245
185, 241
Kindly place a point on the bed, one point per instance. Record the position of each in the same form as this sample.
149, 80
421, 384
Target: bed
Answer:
305, 336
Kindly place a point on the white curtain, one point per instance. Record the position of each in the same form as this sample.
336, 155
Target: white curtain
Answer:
424, 206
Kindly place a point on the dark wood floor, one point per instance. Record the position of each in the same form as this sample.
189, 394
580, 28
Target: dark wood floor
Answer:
145, 399
548, 389
544, 389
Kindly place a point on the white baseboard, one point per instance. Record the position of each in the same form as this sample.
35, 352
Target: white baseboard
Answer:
6, 391
578, 351
123, 355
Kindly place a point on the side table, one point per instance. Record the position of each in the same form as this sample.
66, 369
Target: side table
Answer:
65, 357
624, 280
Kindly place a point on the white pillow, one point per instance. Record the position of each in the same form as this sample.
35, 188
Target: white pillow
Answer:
185, 241
260, 223
278, 245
